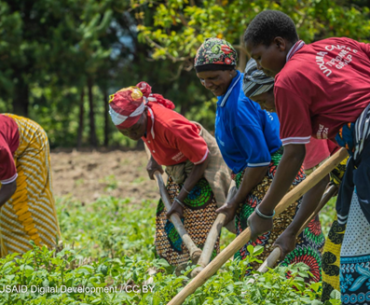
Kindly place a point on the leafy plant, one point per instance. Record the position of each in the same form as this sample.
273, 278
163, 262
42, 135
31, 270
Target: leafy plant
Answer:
108, 248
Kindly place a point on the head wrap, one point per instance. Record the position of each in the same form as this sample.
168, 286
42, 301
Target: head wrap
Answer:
127, 104
215, 54
255, 81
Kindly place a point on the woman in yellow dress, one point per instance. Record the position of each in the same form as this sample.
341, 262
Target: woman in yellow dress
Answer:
26, 199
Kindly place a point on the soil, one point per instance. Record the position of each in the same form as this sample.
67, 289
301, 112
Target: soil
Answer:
86, 176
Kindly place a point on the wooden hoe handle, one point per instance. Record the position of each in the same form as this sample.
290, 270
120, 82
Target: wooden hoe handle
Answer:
195, 252
274, 256
244, 237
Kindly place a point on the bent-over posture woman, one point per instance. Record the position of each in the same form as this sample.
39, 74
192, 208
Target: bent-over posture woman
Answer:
26, 198
198, 179
317, 151
248, 138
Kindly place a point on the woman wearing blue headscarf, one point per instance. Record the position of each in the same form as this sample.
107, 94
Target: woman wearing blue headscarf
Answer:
248, 138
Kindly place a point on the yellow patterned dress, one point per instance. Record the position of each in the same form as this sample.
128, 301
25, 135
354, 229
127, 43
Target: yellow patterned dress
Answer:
333, 245
30, 213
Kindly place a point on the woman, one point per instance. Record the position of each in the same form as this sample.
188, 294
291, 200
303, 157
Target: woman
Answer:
26, 199
248, 138
327, 84
259, 87
197, 177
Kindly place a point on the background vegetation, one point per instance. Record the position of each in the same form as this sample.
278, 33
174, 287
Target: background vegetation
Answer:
59, 60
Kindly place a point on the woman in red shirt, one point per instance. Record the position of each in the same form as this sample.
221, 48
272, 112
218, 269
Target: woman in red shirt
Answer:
26, 199
259, 87
321, 90
198, 179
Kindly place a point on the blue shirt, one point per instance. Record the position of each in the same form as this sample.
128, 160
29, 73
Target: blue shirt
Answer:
245, 134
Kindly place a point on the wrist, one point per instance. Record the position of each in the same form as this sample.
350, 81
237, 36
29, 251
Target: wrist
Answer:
232, 203
179, 202
262, 215
291, 230
266, 211
182, 195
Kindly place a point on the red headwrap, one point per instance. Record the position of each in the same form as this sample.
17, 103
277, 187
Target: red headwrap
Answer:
127, 105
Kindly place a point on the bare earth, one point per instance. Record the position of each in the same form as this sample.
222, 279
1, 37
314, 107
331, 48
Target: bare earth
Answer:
86, 176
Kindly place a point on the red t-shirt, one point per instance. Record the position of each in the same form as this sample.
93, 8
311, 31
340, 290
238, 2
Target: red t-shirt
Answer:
173, 139
9, 142
316, 152
323, 86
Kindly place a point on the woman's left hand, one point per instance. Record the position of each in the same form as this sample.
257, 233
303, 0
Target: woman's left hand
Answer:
175, 208
258, 225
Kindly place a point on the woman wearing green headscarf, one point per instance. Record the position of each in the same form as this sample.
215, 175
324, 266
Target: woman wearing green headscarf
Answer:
248, 138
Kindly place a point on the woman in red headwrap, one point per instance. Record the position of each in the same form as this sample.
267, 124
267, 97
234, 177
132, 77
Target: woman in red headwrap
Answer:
198, 179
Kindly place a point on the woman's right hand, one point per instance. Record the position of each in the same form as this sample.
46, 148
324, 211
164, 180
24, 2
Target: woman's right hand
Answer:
286, 242
152, 167
229, 209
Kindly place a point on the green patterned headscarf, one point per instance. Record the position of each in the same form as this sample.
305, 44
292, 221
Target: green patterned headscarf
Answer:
215, 54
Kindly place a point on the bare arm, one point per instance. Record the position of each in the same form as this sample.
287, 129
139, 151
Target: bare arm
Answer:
196, 173
7, 191
309, 203
287, 240
288, 168
152, 167
252, 177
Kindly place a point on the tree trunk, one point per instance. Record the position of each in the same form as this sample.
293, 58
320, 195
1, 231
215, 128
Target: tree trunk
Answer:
106, 117
21, 98
81, 119
93, 139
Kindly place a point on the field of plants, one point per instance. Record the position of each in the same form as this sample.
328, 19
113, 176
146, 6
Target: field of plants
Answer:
108, 258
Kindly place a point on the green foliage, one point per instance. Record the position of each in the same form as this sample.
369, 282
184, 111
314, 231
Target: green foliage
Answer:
179, 27
327, 215
109, 227
54, 52
108, 248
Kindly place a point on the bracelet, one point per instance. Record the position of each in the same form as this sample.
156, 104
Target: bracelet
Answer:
179, 202
258, 212
185, 189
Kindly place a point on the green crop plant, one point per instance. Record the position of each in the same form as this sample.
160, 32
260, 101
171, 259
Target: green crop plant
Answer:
108, 248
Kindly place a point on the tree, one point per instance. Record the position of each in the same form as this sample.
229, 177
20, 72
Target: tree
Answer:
174, 30
179, 27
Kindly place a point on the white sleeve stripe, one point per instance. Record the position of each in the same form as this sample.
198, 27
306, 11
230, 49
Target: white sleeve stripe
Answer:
204, 157
296, 140
10, 180
258, 164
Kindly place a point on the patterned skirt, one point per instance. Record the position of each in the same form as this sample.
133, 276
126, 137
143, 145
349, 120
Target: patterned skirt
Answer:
309, 242
355, 257
199, 216
30, 213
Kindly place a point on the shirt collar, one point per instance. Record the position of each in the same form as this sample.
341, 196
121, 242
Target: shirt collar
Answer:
150, 125
223, 98
297, 46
